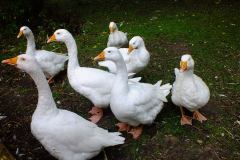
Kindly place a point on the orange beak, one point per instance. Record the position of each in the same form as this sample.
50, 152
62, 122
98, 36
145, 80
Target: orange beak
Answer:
52, 38
10, 61
130, 49
111, 29
183, 66
100, 57
20, 34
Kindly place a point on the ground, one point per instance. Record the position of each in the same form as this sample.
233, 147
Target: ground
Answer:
210, 33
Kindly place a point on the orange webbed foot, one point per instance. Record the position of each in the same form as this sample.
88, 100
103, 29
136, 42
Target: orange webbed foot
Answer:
97, 114
123, 127
136, 132
186, 120
198, 116
95, 110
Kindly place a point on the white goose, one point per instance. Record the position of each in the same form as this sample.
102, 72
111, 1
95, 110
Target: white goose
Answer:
136, 57
116, 38
64, 134
50, 62
136, 103
189, 91
94, 84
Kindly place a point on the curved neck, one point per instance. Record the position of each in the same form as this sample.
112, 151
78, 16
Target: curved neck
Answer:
46, 104
72, 52
188, 73
121, 81
31, 46
142, 46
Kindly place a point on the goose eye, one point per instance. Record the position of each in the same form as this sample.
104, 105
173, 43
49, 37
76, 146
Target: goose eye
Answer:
24, 29
23, 59
109, 51
58, 33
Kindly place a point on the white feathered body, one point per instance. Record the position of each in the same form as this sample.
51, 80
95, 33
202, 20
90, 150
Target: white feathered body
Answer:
189, 91
94, 84
141, 104
117, 39
50, 62
64, 134
67, 136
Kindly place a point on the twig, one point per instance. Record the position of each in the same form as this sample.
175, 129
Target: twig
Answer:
228, 132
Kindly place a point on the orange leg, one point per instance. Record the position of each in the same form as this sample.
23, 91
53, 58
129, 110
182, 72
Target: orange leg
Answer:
123, 127
136, 132
50, 80
185, 119
97, 114
198, 116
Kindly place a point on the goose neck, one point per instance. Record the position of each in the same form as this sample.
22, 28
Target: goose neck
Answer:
72, 52
46, 104
188, 73
31, 46
121, 76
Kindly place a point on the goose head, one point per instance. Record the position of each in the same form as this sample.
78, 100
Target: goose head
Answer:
24, 62
60, 35
110, 53
186, 63
135, 43
24, 30
112, 27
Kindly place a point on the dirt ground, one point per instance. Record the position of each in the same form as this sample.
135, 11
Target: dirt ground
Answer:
162, 140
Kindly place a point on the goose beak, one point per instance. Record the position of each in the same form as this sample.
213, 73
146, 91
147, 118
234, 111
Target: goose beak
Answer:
20, 34
183, 66
130, 48
111, 29
10, 61
52, 38
100, 57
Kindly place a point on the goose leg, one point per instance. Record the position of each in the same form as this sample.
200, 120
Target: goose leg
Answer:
185, 119
123, 127
50, 80
136, 132
198, 116
97, 114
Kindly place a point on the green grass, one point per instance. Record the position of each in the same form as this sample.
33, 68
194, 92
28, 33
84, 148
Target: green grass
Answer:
211, 34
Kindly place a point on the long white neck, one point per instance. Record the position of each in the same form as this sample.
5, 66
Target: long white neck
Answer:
142, 47
31, 46
72, 53
121, 80
188, 73
46, 104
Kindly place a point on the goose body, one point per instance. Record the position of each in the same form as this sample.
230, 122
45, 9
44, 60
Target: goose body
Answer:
136, 103
94, 84
141, 104
189, 90
116, 38
50, 62
64, 134
136, 57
